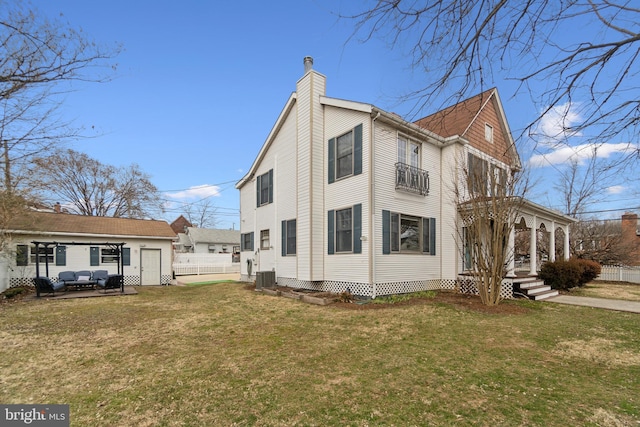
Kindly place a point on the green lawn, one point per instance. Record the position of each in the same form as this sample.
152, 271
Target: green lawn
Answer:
222, 355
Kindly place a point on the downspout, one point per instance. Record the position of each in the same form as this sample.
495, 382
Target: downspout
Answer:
372, 207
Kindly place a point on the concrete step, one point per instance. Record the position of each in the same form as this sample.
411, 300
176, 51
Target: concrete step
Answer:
532, 284
548, 294
537, 290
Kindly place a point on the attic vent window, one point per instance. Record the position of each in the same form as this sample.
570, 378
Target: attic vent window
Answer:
488, 132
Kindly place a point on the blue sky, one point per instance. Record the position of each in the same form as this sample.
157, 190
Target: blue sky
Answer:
199, 84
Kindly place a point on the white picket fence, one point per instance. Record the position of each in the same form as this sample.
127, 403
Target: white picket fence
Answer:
613, 273
190, 264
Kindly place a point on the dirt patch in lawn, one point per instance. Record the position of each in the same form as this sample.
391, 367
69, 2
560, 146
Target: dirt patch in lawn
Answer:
454, 299
451, 298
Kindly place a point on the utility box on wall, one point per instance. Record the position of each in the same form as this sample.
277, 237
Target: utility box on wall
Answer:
265, 279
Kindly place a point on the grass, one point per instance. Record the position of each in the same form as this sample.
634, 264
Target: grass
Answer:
220, 354
615, 290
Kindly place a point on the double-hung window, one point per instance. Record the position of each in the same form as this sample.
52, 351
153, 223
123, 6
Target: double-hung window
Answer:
408, 234
264, 188
289, 237
345, 230
345, 155
246, 241
264, 240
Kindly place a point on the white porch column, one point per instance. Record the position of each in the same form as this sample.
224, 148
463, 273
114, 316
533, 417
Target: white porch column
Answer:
566, 242
533, 255
511, 253
552, 242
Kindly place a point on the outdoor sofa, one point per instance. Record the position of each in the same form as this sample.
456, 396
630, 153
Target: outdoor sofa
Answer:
83, 278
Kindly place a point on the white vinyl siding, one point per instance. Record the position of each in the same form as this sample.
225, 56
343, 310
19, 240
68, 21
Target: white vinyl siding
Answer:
354, 190
395, 268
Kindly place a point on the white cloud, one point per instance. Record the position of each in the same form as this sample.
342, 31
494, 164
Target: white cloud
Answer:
578, 153
557, 123
196, 192
615, 189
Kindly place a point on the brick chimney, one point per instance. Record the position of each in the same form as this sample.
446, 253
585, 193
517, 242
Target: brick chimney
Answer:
57, 208
629, 225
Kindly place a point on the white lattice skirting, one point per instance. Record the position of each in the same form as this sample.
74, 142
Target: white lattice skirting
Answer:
366, 290
467, 285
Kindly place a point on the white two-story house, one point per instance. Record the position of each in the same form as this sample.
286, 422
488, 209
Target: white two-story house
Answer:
346, 196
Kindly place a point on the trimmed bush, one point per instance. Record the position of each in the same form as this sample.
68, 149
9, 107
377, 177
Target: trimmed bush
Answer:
564, 275
591, 270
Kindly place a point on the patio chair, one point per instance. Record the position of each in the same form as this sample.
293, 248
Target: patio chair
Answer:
113, 282
100, 277
45, 285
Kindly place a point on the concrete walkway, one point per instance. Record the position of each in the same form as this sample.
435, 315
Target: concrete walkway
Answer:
609, 304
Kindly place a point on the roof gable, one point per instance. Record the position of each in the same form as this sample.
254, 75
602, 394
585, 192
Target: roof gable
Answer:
468, 118
45, 222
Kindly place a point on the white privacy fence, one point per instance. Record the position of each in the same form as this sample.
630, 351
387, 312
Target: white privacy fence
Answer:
189, 264
620, 274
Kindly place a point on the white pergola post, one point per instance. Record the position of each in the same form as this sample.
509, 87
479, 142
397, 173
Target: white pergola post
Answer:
566, 242
533, 255
511, 247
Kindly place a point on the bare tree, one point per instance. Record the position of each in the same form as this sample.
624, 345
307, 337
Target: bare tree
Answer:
602, 241
39, 58
87, 187
462, 44
488, 206
202, 214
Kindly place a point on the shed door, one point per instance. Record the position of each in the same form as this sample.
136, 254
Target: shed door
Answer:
150, 267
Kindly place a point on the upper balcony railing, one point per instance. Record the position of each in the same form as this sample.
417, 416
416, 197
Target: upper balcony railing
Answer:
412, 179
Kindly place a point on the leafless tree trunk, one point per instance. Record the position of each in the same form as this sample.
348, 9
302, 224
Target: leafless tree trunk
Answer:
487, 206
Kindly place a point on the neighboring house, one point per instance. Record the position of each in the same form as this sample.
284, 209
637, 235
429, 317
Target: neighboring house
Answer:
180, 224
346, 196
147, 251
208, 241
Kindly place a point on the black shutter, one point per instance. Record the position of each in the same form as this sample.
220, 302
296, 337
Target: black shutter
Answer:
284, 238
251, 240
258, 191
270, 185
22, 255
332, 160
357, 150
386, 232
61, 255
94, 256
432, 236
357, 229
126, 256
425, 236
330, 237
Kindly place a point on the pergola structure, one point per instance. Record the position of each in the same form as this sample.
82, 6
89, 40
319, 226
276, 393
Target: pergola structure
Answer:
117, 246
533, 216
